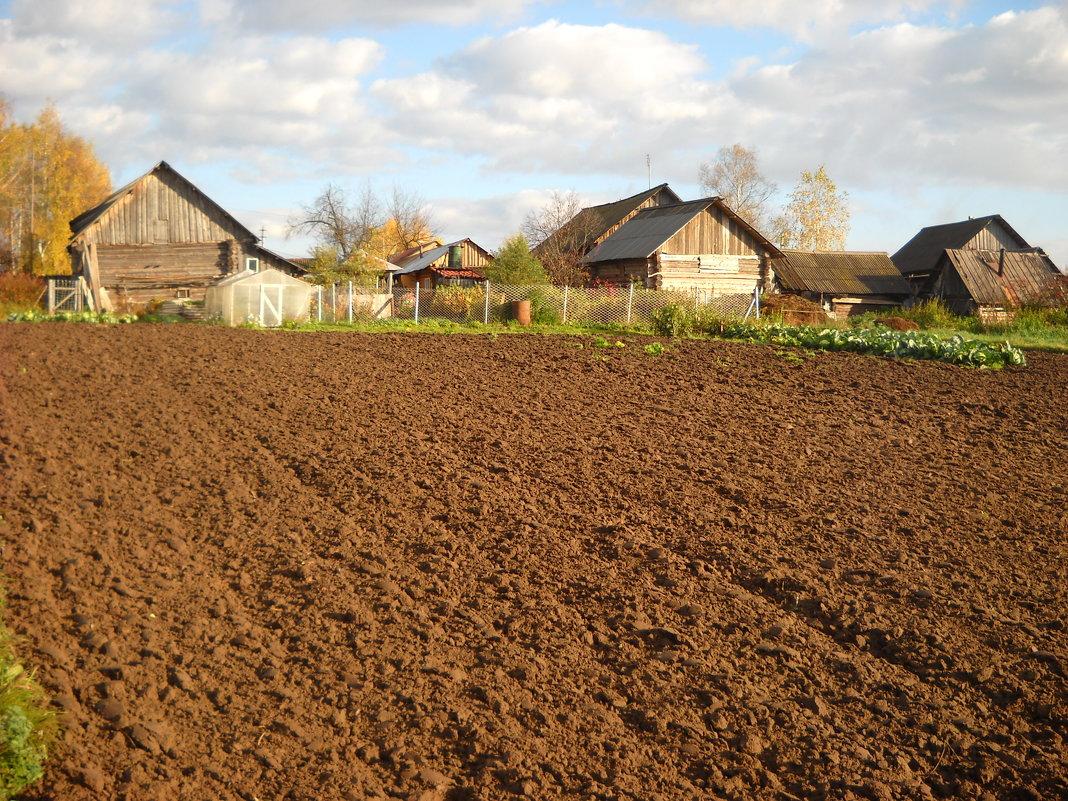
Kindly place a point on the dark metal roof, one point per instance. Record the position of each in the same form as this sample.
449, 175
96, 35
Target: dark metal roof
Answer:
646, 232
840, 273
999, 278
593, 222
87, 218
921, 253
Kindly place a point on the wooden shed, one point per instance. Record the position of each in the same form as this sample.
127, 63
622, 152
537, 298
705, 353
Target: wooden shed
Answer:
460, 263
160, 238
843, 282
700, 244
989, 283
919, 257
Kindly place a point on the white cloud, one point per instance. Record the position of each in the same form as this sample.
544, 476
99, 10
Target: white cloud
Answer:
323, 15
111, 21
805, 20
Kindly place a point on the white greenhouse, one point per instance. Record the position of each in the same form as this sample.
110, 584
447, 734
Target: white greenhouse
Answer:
266, 297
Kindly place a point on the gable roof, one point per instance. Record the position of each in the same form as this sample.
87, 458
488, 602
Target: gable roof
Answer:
840, 273
922, 252
998, 278
426, 259
593, 222
646, 232
87, 218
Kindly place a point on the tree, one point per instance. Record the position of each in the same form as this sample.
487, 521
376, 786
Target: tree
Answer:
736, 177
48, 176
513, 263
352, 230
817, 216
560, 234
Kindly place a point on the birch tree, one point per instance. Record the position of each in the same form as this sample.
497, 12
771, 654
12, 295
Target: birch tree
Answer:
817, 216
735, 176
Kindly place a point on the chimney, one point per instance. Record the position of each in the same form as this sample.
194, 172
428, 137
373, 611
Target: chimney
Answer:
1001, 262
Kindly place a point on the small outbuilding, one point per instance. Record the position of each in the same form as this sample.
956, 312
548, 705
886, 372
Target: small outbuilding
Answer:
266, 297
844, 283
697, 245
918, 258
989, 283
160, 238
460, 263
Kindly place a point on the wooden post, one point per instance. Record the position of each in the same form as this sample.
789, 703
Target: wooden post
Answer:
51, 297
417, 301
630, 302
333, 303
485, 310
350, 301
319, 302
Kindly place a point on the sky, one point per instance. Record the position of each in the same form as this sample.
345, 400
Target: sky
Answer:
923, 111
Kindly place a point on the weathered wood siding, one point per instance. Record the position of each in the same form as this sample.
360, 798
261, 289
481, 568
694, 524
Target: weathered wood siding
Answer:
162, 209
993, 237
713, 232
950, 288
137, 274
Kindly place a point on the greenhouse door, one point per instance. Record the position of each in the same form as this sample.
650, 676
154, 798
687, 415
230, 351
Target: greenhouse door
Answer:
271, 312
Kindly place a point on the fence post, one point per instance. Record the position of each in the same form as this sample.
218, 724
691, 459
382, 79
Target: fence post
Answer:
630, 302
51, 297
319, 302
417, 301
567, 289
333, 303
756, 300
485, 310
350, 301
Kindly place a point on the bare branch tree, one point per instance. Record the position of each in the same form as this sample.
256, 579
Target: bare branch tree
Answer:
409, 221
561, 233
735, 176
333, 224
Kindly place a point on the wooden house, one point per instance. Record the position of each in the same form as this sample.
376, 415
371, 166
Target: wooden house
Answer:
700, 244
460, 263
160, 238
919, 257
989, 283
844, 283
566, 247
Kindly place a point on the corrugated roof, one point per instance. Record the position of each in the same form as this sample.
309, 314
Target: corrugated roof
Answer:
921, 253
87, 218
999, 278
840, 273
646, 232
431, 256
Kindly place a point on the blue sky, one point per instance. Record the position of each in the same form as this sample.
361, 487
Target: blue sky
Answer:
925, 111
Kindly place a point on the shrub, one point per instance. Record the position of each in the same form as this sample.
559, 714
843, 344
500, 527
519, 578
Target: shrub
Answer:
546, 304
20, 292
674, 320
932, 313
28, 728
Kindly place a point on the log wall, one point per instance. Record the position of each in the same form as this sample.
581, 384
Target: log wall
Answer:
137, 274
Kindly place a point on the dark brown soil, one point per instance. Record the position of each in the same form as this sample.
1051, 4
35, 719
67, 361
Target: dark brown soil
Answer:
259, 565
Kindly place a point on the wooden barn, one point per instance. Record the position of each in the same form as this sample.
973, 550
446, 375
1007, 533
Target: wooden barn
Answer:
594, 224
460, 263
843, 282
989, 283
160, 238
919, 257
700, 244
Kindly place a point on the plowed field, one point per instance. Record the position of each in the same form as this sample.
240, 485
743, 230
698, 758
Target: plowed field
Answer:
256, 565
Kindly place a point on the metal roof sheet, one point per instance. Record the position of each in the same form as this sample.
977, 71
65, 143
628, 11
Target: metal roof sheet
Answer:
647, 230
840, 273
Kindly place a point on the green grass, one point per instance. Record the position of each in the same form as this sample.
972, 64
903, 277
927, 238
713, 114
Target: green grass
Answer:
442, 326
28, 727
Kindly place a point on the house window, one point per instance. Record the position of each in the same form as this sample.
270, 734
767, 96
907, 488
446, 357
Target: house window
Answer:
182, 293
252, 264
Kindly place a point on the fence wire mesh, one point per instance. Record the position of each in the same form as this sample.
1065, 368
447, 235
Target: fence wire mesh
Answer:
65, 295
496, 303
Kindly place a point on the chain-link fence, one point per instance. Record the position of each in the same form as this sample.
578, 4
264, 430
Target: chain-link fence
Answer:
497, 303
